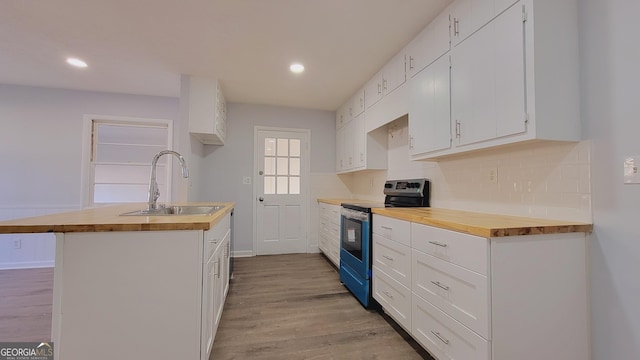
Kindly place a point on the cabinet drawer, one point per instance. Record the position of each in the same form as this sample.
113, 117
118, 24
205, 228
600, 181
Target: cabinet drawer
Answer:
214, 236
394, 229
394, 297
443, 336
461, 293
393, 258
468, 251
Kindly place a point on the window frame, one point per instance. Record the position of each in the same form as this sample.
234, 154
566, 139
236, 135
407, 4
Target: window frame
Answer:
87, 173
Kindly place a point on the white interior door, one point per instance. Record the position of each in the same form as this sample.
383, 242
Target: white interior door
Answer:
281, 191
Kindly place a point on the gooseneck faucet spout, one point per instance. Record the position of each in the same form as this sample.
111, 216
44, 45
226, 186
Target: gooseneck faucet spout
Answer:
154, 192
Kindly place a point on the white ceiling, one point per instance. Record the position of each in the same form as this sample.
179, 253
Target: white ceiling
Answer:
142, 46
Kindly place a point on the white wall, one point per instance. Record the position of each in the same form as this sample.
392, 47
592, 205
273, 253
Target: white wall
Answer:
41, 143
225, 166
610, 76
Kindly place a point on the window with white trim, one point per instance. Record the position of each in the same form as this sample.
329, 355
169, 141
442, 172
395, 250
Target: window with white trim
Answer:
120, 161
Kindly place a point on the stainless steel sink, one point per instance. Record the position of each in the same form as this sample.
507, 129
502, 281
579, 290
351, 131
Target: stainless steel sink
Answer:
173, 210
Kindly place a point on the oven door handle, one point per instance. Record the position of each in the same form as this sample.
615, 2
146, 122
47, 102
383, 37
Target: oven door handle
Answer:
355, 215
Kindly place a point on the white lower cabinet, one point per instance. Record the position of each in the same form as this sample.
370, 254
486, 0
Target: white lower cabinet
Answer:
445, 337
460, 292
393, 296
215, 274
329, 232
476, 298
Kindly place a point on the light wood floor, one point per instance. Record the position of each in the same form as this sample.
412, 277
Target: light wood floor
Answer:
278, 307
294, 307
26, 298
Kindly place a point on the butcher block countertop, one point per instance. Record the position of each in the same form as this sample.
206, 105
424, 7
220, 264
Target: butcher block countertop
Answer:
108, 218
351, 201
480, 224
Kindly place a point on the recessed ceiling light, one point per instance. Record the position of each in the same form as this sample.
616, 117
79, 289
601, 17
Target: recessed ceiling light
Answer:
76, 62
296, 68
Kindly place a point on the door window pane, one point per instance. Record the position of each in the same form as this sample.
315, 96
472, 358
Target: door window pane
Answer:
283, 184
283, 147
295, 147
270, 166
294, 185
283, 166
294, 166
269, 185
270, 147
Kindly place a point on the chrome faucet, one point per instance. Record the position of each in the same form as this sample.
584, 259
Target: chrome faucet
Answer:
154, 192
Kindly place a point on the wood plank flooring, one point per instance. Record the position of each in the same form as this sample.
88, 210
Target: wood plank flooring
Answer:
278, 307
294, 307
26, 297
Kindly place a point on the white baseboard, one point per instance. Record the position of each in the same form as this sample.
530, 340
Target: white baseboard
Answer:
27, 265
242, 253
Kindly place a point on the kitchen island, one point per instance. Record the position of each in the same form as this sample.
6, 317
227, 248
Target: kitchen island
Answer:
125, 287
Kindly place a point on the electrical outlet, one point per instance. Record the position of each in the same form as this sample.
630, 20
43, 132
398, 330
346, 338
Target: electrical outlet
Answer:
17, 244
246, 180
492, 175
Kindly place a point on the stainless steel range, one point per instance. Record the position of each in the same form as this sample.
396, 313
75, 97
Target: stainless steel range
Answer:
355, 237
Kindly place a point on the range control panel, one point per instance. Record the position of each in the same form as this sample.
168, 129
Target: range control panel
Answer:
406, 187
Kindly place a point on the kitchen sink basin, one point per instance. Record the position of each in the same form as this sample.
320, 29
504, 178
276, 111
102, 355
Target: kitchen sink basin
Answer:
173, 210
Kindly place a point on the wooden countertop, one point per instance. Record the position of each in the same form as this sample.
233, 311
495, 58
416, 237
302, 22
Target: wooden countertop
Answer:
340, 201
108, 219
480, 224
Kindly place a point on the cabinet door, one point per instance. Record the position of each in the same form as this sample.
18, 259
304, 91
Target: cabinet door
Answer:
429, 109
359, 144
393, 74
473, 88
208, 305
468, 16
373, 90
340, 149
429, 45
357, 103
349, 138
510, 72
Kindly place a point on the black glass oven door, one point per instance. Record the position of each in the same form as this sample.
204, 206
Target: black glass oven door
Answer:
351, 237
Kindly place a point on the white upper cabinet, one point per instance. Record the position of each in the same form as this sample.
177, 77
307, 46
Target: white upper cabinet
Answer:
357, 104
467, 16
487, 81
207, 111
342, 116
429, 108
391, 76
358, 150
513, 79
429, 45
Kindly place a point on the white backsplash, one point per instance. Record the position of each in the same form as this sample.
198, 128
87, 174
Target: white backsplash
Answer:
544, 180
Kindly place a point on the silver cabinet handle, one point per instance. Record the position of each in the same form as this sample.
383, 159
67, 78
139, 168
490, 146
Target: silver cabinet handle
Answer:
216, 270
438, 243
456, 27
386, 227
437, 334
214, 241
387, 257
410, 62
388, 295
438, 284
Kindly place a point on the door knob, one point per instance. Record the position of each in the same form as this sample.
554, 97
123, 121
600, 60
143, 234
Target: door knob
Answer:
261, 199
261, 172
